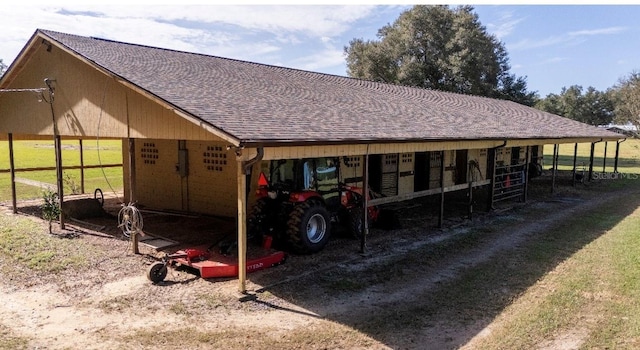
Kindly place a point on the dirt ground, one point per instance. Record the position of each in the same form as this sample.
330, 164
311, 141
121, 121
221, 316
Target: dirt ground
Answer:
395, 296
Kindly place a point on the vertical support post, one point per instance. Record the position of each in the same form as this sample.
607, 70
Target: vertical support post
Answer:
58, 150
365, 204
575, 159
525, 175
554, 167
604, 158
132, 170
81, 167
470, 199
615, 163
491, 170
593, 147
441, 211
12, 169
242, 228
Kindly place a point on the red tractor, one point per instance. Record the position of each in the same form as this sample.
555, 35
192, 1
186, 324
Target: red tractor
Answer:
301, 200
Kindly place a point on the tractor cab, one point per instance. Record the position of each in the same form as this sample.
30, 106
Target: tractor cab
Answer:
298, 180
300, 200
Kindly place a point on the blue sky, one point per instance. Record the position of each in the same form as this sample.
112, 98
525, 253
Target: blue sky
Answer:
554, 46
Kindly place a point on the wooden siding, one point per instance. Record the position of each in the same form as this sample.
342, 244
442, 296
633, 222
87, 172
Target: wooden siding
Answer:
212, 179
87, 103
406, 173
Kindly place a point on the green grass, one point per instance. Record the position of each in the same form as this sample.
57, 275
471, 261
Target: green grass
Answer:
628, 158
25, 242
35, 154
591, 296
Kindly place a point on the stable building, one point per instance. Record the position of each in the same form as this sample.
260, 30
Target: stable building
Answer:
196, 129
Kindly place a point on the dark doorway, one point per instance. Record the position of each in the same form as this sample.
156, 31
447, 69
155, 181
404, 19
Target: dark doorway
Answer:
421, 178
375, 172
461, 166
515, 155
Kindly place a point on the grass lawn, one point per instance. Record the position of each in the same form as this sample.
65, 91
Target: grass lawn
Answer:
628, 159
591, 299
35, 154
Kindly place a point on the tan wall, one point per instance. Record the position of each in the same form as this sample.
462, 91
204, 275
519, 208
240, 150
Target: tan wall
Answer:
212, 180
210, 186
87, 102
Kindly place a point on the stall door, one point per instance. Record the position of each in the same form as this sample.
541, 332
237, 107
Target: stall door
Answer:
406, 173
389, 184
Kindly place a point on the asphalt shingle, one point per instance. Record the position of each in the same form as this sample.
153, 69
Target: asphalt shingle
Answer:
262, 103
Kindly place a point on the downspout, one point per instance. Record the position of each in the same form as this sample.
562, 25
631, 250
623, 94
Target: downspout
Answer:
246, 168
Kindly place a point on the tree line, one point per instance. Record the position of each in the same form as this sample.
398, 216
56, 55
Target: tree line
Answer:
447, 48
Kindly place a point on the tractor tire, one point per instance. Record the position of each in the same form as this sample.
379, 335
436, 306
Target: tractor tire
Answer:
257, 220
309, 227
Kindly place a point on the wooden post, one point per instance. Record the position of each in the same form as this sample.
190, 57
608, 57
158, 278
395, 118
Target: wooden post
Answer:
615, 163
132, 170
58, 150
12, 169
554, 168
242, 228
441, 211
525, 175
365, 204
81, 167
575, 159
593, 147
604, 158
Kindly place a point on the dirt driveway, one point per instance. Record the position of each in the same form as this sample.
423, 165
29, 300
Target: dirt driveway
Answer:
417, 287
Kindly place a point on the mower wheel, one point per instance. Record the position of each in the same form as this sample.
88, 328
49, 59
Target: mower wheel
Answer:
157, 272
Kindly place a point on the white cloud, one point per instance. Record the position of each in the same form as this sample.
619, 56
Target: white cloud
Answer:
242, 32
601, 31
504, 25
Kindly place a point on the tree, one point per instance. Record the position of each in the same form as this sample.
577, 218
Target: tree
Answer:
3, 68
592, 107
626, 94
439, 48
50, 207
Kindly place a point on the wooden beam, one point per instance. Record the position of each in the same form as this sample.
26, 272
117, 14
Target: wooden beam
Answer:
604, 158
58, 150
615, 163
554, 168
593, 147
81, 166
242, 229
424, 193
442, 191
68, 167
132, 170
575, 159
525, 174
12, 169
365, 200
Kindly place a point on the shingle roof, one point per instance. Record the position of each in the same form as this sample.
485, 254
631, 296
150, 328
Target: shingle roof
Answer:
260, 103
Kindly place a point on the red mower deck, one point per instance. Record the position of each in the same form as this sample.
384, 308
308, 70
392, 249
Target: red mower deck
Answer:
212, 265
